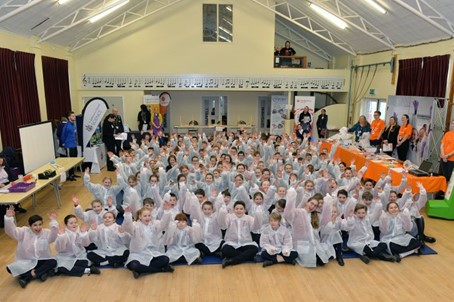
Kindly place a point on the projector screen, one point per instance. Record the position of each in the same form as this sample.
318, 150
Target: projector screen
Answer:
37, 142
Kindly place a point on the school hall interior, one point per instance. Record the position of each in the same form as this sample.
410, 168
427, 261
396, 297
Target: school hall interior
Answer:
163, 42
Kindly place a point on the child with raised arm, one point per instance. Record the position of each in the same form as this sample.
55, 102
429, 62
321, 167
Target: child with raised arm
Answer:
394, 228
276, 243
239, 246
361, 236
33, 255
180, 240
210, 223
331, 235
71, 256
111, 242
106, 189
414, 204
97, 210
305, 224
147, 249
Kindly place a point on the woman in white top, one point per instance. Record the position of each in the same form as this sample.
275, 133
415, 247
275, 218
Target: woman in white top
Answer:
33, 255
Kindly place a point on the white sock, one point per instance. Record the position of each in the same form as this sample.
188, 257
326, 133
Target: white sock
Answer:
402, 255
104, 263
87, 271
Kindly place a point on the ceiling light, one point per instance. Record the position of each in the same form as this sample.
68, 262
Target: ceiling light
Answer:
328, 16
62, 1
376, 6
110, 9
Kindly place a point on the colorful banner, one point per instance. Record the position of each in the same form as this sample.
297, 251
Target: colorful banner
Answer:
164, 101
421, 113
278, 114
93, 113
304, 112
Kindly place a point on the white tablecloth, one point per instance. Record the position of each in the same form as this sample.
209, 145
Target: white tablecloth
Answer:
97, 156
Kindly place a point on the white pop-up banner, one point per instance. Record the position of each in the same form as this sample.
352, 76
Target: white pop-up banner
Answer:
93, 113
278, 114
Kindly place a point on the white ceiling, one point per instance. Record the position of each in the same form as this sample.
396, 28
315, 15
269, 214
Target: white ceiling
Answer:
407, 22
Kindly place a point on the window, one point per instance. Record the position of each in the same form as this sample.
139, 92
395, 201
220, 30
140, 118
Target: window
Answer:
217, 23
214, 110
370, 105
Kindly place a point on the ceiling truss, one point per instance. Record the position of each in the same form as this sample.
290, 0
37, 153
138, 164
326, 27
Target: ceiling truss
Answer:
355, 20
435, 18
138, 12
79, 16
12, 8
298, 17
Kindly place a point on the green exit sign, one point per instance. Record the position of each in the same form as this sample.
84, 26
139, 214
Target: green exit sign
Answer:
372, 91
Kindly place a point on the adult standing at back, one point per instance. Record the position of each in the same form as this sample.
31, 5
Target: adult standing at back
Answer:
447, 152
376, 129
119, 128
287, 50
322, 124
108, 138
144, 118
403, 139
69, 140
390, 135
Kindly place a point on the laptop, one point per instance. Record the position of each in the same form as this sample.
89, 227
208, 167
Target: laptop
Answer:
423, 170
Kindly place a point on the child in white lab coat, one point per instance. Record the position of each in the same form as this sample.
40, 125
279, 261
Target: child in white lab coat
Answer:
394, 228
180, 240
276, 243
361, 236
111, 242
71, 256
210, 222
33, 255
147, 249
239, 246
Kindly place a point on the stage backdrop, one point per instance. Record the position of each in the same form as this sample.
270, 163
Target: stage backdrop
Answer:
300, 103
421, 113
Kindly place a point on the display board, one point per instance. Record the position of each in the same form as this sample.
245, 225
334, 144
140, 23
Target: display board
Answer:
37, 141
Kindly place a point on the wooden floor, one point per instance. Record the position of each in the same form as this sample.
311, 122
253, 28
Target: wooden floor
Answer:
416, 278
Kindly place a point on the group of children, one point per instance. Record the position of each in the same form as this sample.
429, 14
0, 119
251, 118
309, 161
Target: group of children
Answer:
240, 198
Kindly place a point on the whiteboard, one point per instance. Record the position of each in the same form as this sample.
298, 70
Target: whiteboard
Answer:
37, 141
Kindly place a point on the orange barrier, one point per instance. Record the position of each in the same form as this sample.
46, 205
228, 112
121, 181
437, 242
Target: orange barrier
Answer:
375, 170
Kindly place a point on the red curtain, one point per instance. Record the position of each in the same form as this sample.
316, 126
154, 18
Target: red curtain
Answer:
410, 72
9, 96
435, 76
56, 87
26, 85
19, 103
423, 76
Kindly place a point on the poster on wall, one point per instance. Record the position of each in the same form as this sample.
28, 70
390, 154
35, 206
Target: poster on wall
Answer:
304, 112
152, 102
421, 113
278, 114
